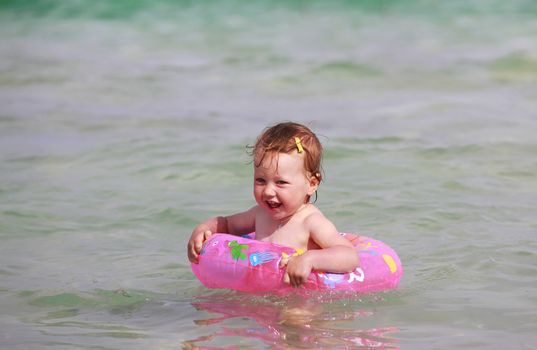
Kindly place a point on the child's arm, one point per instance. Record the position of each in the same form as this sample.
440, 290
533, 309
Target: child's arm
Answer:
336, 255
236, 224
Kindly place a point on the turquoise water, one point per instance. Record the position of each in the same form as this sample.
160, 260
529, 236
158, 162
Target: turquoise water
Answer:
123, 124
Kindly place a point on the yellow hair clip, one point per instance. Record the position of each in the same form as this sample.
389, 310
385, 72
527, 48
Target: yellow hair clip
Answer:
299, 145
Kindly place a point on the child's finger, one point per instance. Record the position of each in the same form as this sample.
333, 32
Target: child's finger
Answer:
284, 261
298, 282
197, 246
199, 241
192, 254
293, 281
286, 278
206, 235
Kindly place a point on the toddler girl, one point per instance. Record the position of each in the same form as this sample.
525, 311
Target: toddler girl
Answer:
287, 172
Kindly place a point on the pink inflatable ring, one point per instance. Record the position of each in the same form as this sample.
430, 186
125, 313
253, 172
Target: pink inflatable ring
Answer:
247, 265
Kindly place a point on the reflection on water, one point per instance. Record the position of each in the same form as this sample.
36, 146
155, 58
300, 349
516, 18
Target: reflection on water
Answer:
287, 323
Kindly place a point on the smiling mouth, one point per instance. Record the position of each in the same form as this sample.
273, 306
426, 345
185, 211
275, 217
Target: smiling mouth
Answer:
273, 205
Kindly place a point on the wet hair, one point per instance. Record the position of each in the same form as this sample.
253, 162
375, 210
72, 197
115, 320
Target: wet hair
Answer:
280, 138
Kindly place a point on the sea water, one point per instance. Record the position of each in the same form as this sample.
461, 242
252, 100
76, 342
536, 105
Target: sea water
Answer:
125, 123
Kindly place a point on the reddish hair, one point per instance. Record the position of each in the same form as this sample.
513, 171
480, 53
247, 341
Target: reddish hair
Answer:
280, 138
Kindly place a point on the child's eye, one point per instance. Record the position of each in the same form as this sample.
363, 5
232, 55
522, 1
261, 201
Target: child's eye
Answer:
281, 182
260, 181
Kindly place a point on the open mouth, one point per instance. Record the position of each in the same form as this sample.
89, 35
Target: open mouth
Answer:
273, 205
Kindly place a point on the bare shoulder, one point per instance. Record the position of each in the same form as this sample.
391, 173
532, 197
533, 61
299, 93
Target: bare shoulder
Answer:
315, 218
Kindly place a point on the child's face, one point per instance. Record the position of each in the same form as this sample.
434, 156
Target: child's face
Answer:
281, 184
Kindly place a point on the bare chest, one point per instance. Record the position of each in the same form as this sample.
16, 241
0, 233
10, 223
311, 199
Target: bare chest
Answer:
291, 235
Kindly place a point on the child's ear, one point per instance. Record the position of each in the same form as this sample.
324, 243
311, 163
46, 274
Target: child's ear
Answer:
313, 185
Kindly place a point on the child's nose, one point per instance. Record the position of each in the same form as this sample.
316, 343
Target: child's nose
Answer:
268, 191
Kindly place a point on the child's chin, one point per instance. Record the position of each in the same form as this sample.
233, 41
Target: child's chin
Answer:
275, 213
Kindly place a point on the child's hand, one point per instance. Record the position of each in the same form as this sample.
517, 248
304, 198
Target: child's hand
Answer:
298, 269
196, 242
